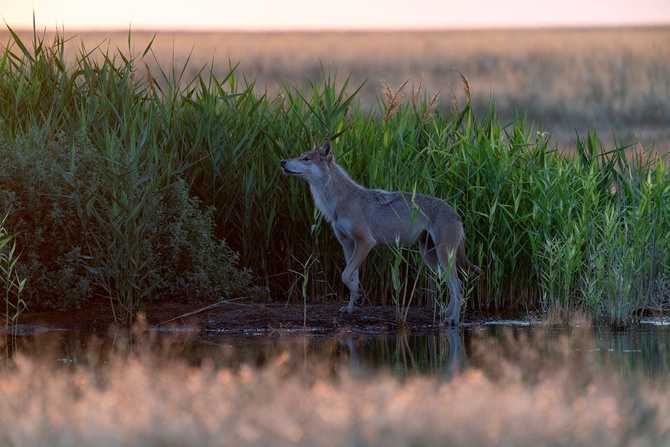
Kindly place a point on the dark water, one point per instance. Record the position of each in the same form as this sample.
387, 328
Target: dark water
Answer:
643, 350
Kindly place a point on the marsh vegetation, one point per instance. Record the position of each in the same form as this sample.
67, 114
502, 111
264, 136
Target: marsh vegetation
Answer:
128, 178
569, 80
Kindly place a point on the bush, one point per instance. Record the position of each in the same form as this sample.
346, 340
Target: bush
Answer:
48, 230
188, 261
64, 249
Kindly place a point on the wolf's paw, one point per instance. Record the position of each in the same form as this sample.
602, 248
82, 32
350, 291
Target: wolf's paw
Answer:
451, 322
346, 309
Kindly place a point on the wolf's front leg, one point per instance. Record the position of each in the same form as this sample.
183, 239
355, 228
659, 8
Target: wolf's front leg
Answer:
361, 248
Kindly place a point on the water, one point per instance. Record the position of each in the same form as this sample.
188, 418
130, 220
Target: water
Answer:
644, 349
508, 383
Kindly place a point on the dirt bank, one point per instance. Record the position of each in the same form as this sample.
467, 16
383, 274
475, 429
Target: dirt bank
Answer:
238, 317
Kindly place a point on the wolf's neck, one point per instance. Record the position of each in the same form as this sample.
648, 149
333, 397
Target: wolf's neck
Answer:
336, 189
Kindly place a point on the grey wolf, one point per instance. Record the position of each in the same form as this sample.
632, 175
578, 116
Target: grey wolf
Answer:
363, 218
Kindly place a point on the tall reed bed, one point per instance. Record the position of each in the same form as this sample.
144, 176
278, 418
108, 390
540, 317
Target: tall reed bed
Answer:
94, 183
554, 231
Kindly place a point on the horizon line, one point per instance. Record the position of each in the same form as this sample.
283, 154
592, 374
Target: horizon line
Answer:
355, 29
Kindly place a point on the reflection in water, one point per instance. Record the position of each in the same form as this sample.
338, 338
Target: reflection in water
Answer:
443, 354
482, 385
439, 353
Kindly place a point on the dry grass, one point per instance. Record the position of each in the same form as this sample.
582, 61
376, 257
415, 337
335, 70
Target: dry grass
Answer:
393, 100
143, 399
617, 80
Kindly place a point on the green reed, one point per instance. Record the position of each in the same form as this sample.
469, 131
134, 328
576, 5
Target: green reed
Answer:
12, 284
553, 230
12, 288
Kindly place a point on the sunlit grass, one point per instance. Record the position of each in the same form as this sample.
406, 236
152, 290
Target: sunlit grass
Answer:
614, 79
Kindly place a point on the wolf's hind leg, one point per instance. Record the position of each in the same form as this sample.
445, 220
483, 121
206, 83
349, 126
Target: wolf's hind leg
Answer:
453, 311
354, 292
429, 256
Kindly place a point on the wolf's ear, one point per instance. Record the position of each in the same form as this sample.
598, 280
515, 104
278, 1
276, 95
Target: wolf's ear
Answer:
327, 150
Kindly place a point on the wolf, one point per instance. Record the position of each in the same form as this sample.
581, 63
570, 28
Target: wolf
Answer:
363, 218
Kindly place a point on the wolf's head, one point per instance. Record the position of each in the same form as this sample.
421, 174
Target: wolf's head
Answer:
313, 165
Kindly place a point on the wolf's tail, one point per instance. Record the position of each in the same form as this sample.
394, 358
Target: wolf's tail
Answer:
464, 263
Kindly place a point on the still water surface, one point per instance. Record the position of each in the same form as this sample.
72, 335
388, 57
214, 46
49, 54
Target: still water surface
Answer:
643, 350
500, 384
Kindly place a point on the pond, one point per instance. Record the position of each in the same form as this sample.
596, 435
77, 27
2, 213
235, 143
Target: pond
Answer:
501, 383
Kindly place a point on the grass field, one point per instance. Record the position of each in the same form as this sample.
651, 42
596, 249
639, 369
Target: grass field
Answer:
124, 165
614, 80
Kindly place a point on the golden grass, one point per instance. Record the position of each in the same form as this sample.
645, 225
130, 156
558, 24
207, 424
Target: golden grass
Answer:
297, 399
393, 100
615, 80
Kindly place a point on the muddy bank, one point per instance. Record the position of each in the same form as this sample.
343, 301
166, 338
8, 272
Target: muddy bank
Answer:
97, 316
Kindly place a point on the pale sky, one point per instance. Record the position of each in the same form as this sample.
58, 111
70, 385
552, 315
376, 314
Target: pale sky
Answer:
338, 14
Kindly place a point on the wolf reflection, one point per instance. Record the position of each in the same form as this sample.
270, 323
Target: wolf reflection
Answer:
441, 353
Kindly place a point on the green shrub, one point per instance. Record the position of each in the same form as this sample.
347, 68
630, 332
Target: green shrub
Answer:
188, 261
44, 219
63, 248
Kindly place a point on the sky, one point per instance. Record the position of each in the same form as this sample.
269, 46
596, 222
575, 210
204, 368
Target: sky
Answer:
340, 14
